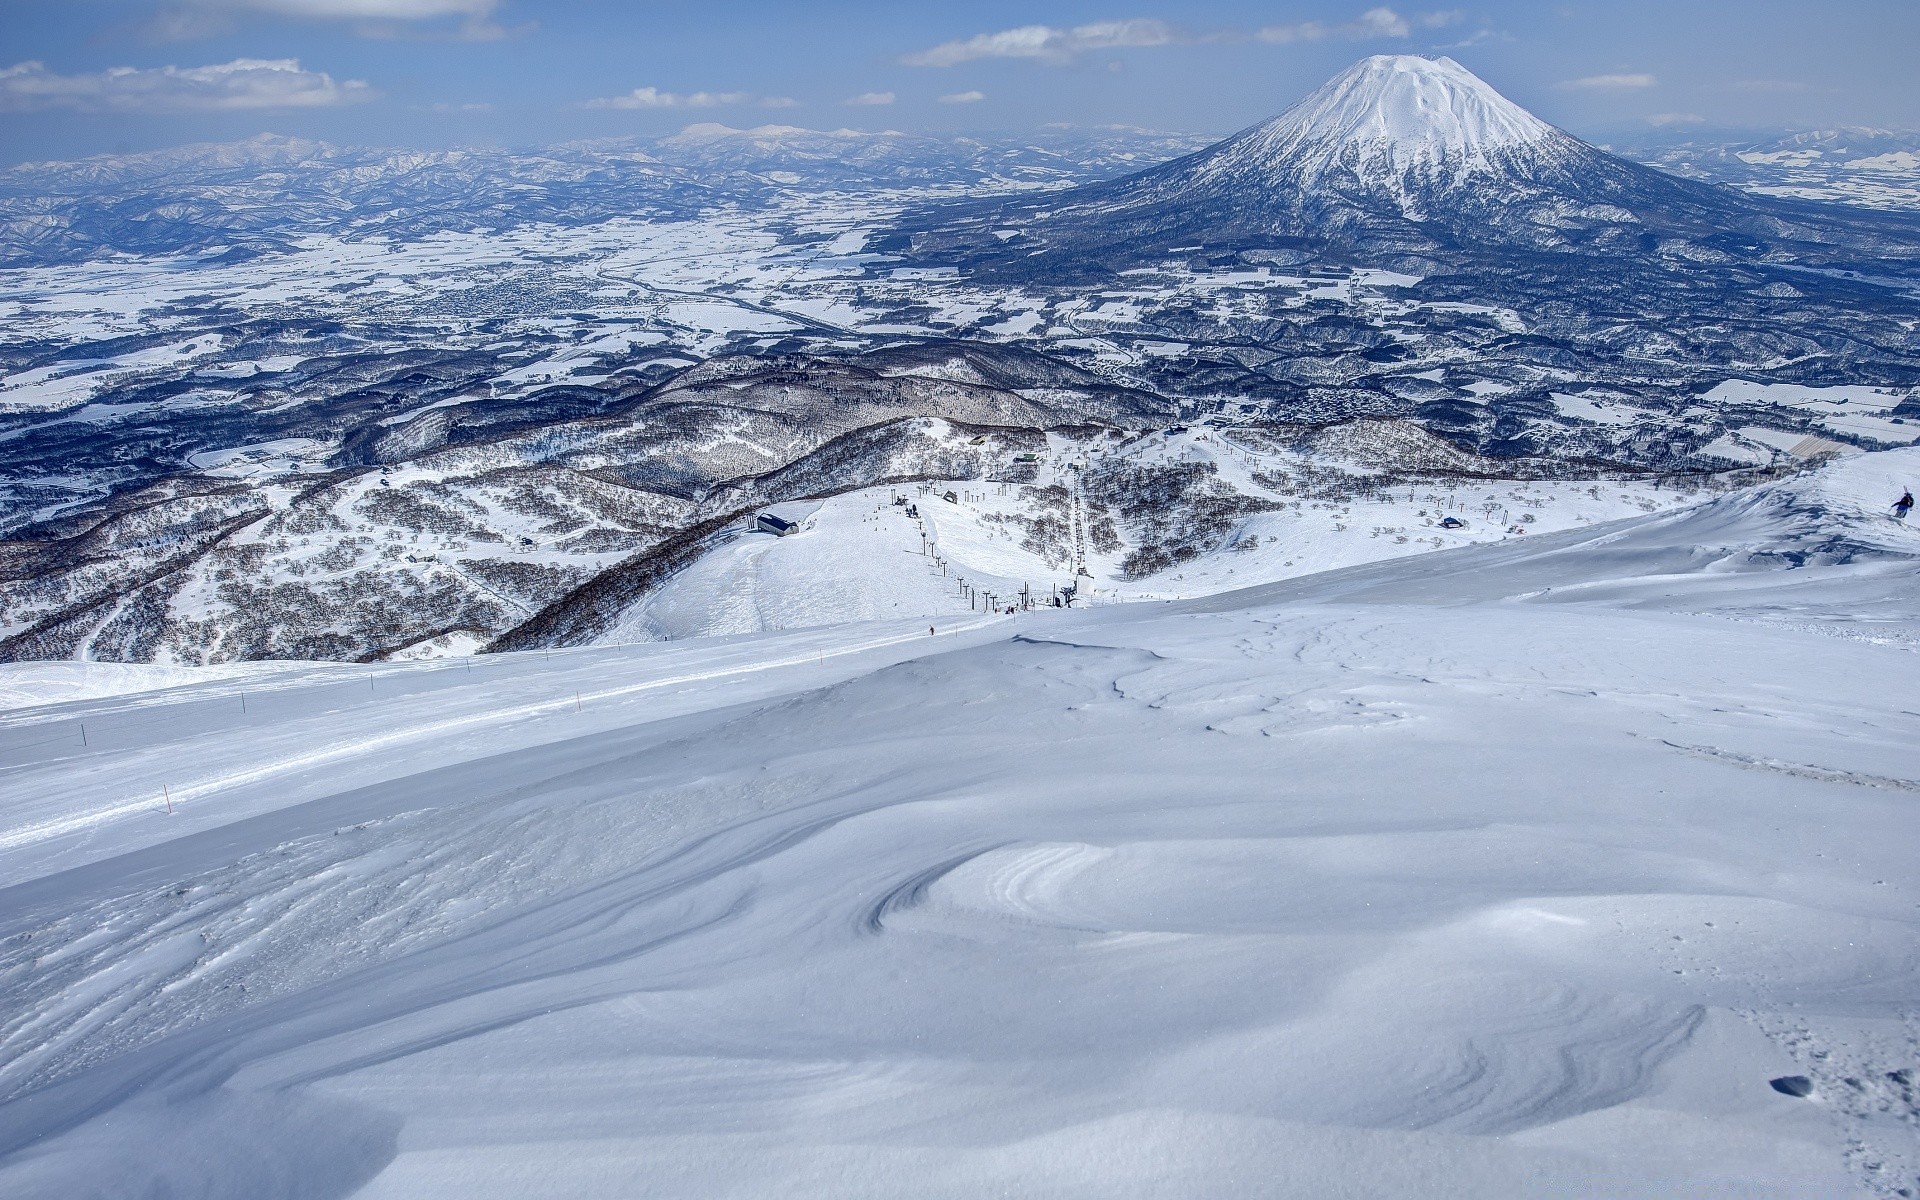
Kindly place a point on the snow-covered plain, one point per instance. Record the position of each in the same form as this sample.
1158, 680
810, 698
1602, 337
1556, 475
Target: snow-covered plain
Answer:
699, 286
1515, 870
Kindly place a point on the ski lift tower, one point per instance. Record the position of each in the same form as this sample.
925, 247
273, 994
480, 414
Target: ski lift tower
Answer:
1077, 522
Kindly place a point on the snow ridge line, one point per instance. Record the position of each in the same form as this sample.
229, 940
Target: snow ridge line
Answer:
1753, 762
30, 834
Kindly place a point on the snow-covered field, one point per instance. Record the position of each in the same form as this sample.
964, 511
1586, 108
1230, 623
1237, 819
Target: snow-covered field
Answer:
1514, 870
696, 285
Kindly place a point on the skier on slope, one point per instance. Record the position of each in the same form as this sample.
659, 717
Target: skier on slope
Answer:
1903, 505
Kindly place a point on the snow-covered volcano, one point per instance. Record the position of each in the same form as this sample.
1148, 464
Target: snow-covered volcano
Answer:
1412, 163
1389, 118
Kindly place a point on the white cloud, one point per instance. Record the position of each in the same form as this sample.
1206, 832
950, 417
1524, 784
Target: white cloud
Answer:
1605, 83
1381, 22
372, 18
1479, 37
1046, 43
471, 107
873, 98
1676, 119
1300, 31
643, 97
1053, 45
964, 98
1112, 35
1373, 23
650, 97
244, 83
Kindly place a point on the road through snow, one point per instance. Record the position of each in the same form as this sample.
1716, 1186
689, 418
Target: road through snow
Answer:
1397, 888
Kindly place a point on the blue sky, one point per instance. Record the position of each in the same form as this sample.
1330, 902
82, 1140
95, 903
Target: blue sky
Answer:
91, 76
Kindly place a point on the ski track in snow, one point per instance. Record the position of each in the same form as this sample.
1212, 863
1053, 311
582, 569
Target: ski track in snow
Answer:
1382, 883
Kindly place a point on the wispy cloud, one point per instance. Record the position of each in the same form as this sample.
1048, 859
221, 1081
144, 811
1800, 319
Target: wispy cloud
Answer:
473, 19
1478, 37
1045, 43
1781, 86
873, 98
473, 106
963, 98
651, 97
1373, 23
1381, 22
1606, 83
1058, 46
244, 83
779, 102
1664, 119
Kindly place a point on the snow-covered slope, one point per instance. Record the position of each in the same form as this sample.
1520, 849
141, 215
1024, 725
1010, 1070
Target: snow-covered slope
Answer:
1388, 118
857, 557
1821, 551
862, 556
1396, 895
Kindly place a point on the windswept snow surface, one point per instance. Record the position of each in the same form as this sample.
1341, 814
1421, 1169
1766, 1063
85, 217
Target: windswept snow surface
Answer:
1394, 882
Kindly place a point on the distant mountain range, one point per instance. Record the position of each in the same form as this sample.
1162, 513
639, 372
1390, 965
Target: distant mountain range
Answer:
1872, 168
259, 195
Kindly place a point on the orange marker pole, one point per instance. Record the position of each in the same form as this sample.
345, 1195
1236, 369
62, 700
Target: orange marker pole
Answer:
169, 796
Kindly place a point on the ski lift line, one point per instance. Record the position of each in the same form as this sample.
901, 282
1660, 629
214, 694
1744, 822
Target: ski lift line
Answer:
40, 831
